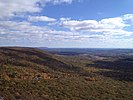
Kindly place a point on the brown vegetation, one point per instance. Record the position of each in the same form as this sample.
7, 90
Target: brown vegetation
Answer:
32, 74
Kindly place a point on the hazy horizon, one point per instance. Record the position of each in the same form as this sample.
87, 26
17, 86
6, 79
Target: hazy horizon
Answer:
64, 47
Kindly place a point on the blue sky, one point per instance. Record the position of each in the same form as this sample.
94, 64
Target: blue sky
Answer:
67, 23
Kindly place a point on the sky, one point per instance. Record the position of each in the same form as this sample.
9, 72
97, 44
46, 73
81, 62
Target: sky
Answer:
67, 23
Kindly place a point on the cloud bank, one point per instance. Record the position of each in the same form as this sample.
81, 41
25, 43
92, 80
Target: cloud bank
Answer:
57, 29
112, 26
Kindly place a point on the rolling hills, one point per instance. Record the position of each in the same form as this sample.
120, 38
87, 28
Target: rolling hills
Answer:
34, 74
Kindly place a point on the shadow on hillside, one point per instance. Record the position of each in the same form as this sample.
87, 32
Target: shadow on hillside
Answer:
118, 75
121, 69
43, 58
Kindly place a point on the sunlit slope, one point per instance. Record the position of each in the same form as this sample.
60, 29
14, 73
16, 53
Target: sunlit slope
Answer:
33, 74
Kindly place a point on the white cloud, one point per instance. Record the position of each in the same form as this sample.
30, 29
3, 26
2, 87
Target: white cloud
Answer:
10, 8
12, 30
112, 26
41, 18
128, 17
80, 30
25, 31
65, 19
112, 23
79, 25
57, 1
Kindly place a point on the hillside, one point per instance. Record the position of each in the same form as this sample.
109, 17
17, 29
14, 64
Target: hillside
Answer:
33, 74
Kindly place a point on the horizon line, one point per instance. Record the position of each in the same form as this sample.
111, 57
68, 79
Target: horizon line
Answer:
68, 47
